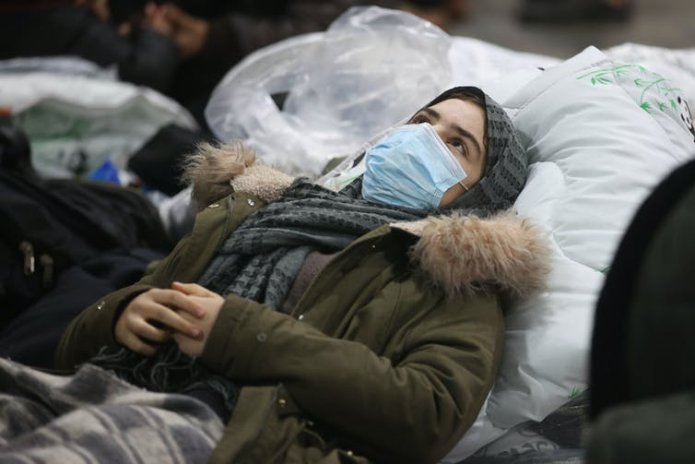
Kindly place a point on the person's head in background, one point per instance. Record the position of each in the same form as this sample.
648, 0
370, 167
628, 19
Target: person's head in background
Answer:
460, 151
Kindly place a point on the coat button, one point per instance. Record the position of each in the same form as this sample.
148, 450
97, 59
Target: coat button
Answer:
101, 305
251, 202
261, 337
214, 205
301, 316
282, 402
349, 452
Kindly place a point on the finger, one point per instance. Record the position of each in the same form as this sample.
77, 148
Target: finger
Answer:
188, 318
173, 321
178, 300
190, 289
148, 332
191, 348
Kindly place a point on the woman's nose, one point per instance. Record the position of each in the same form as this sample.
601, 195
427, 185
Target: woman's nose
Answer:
439, 129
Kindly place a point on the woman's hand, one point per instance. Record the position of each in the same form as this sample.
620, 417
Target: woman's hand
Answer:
211, 303
154, 316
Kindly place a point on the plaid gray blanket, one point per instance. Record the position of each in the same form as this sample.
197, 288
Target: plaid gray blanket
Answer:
93, 416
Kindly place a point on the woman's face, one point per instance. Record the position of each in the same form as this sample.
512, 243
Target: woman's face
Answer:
461, 126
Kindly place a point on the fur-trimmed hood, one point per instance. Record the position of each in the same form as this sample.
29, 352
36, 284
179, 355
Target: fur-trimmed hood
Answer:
461, 254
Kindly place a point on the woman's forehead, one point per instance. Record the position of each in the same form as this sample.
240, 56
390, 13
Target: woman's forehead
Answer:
459, 108
463, 113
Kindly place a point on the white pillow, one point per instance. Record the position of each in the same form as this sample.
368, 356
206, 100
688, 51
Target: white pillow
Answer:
597, 150
589, 117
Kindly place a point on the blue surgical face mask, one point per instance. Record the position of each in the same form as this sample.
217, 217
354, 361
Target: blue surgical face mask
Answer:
410, 167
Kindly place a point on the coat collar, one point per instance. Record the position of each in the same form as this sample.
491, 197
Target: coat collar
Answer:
460, 254
466, 254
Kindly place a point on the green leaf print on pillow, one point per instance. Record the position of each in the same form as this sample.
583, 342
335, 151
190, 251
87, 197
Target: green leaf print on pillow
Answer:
650, 90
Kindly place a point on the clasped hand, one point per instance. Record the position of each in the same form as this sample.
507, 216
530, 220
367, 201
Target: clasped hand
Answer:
184, 313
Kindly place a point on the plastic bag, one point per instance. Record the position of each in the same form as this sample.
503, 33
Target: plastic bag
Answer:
369, 70
76, 119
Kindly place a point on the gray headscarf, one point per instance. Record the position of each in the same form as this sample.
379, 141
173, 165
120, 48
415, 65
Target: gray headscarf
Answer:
506, 167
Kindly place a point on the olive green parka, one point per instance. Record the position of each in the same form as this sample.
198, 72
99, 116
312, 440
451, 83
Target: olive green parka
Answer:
387, 357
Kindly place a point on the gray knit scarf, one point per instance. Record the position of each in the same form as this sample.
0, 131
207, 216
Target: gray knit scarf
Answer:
263, 256
260, 261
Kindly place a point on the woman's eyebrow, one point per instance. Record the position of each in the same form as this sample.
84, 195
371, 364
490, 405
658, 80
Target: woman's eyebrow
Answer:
458, 129
431, 113
465, 134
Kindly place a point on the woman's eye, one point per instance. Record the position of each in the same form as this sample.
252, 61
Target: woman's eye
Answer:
419, 119
459, 146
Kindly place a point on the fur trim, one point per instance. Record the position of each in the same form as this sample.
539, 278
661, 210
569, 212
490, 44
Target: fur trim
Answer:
216, 171
467, 254
263, 181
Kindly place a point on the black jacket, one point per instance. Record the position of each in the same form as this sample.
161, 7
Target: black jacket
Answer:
642, 377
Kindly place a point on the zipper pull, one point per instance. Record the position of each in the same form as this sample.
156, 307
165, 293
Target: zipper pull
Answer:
47, 264
28, 251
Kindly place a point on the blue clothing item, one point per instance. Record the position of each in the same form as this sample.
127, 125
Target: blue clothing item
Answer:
107, 172
411, 167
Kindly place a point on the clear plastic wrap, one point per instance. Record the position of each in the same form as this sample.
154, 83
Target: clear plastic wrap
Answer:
369, 70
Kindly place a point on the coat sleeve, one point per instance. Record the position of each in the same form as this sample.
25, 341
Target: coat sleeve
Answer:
413, 409
93, 328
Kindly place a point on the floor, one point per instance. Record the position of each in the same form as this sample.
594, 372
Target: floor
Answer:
666, 23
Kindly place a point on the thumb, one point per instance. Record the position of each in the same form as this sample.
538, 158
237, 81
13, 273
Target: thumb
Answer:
190, 289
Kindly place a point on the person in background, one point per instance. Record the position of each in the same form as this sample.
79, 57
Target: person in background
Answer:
214, 35
143, 52
363, 324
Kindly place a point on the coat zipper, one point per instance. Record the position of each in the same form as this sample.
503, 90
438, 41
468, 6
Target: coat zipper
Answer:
46, 261
303, 304
27, 250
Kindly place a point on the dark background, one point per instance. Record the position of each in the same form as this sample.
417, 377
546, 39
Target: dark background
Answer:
665, 23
